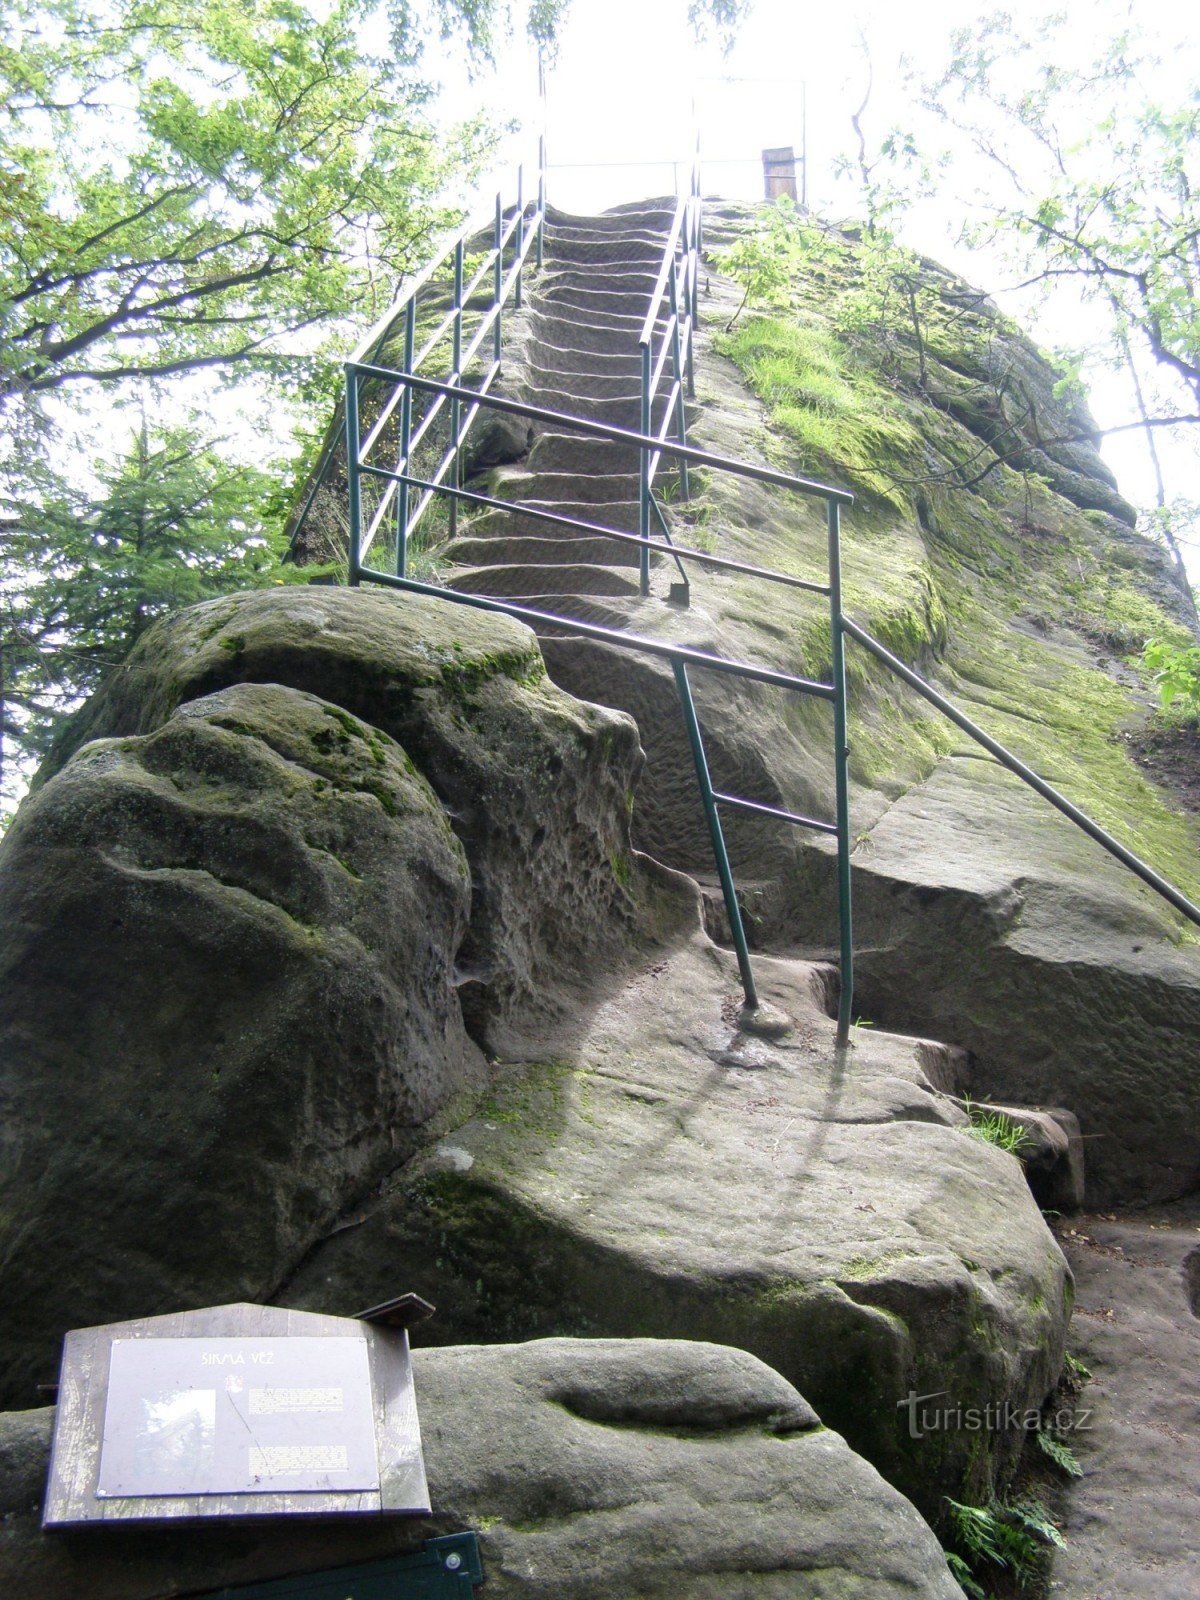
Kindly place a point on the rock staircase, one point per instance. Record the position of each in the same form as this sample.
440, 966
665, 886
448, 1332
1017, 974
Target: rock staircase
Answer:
585, 314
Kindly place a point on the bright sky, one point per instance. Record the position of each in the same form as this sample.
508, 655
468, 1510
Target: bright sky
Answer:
619, 119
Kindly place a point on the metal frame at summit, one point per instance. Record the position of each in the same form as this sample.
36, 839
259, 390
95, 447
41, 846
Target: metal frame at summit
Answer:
674, 306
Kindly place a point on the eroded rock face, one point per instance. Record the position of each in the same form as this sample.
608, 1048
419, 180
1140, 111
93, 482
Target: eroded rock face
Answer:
227, 1006
590, 1468
538, 786
678, 1177
250, 944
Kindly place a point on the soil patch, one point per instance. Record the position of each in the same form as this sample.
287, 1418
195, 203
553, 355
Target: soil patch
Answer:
1171, 756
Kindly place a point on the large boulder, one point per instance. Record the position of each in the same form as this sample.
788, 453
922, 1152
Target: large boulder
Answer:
538, 786
674, 1175
227, 1006
250, 945
592, 1470
991, 920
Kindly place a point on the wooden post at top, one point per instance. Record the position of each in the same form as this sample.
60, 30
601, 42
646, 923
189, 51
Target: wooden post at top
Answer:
779, 173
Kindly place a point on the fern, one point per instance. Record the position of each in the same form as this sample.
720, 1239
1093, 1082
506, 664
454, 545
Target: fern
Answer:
1061, 1454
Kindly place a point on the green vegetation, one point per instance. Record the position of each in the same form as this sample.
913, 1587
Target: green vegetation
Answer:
1176, 672
1003, 1536
1075, 1373
1061, 1454
993, 1127
832, 410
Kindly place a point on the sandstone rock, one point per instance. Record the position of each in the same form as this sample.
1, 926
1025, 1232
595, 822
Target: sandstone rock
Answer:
537, 785
990, 921
227, 1007
593, 1470
676, 1176
1052, 1155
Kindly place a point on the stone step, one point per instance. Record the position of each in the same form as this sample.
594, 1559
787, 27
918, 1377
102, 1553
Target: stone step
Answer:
637, 250
615, 411
500, 550
620, 514
592, 303
621, 363
560, 327
652, 219
576, 454
532, 581
593, 487
586, 385
610, 278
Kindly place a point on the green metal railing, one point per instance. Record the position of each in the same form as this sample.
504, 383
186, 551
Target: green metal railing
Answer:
682, 658
675, 302
468, 315
667, 346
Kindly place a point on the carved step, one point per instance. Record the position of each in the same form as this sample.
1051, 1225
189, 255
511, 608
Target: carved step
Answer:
499, 550
594, 488
620, 514
574, 453
529, 580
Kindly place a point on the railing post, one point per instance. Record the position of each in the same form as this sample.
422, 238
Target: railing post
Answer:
724, 871
841, 774
456, 380
541, 227
410, 333
677, 364
498, 278
520, 231
644, 478
353, 487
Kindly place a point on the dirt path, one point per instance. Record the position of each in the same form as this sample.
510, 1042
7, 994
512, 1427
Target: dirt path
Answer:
1133, 1521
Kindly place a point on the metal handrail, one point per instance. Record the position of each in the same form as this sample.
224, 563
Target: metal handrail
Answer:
1161, 886
682, 657
676, 289
517, 229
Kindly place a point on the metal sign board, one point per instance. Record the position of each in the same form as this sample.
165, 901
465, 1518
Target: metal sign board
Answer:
234, 1411
226, 1416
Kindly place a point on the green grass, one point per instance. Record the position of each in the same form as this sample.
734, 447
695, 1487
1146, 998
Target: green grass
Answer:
845, 423
993, 1127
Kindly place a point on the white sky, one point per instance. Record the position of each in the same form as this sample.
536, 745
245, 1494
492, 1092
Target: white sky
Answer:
619, 114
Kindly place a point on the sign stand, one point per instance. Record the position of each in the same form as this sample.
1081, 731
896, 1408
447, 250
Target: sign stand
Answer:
446, 1569
235, 1411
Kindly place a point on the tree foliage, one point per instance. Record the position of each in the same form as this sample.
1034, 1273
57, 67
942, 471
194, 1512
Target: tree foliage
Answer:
86, 565
1089, 177
195, 196
195, 183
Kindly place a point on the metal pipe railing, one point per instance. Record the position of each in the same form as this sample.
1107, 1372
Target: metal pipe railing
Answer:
650, 447
503, 286
1161, 886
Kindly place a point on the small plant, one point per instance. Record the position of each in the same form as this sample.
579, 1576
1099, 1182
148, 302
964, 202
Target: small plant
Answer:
1176, 673
994, 1127
1011, 1535
1075, 1374
964, 1577
1063, 1457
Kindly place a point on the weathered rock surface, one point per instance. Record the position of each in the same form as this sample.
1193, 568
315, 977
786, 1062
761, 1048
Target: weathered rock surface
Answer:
676, 1177
982, 916
537, 785
991, 920
227, 1006
1130, 1520
593, 1470
239, 937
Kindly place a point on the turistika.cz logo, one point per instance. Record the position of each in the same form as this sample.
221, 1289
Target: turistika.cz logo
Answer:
924, 1417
